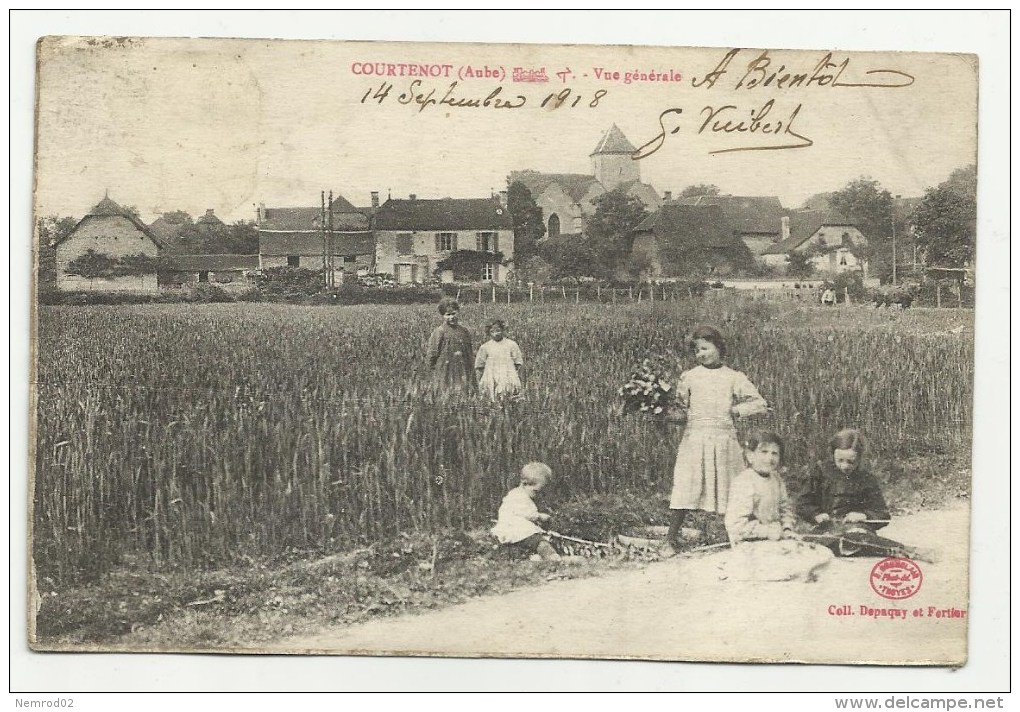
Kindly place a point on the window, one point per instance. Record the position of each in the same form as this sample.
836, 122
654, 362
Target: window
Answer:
446, 241
203, 276
554, 225
293, 261
842, 259
405, 243
487, 242
488, 272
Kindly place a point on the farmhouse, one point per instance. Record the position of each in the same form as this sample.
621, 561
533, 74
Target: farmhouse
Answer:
295, 237
566, 198
109, 249
679, 239
832, 242
226, 271
756, 220
413, 236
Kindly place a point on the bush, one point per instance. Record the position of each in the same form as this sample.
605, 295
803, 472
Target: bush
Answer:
847, 282
208, 294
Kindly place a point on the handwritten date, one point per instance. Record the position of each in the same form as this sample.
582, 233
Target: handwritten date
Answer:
424, 96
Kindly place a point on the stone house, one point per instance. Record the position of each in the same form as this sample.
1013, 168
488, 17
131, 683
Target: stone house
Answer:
413, 235
294, 237
108, 230
757, 220
832, 241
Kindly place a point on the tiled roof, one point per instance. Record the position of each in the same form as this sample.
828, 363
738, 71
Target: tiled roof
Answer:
295, 219
804, 224
107, 208
277, 244
613, 141
209, 263
702, 225
576, 185
747, 214
443, 214
166, 229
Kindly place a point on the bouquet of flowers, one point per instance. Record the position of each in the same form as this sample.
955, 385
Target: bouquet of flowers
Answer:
650, 391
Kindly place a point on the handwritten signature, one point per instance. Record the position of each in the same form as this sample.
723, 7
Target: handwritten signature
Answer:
726, 120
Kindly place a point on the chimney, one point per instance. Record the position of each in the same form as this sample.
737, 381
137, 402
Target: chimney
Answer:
667, 196
261, 214
375, 198
209, 211
503, 197
414, 196
784, 232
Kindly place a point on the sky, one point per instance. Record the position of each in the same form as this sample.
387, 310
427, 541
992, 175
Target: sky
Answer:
166, 124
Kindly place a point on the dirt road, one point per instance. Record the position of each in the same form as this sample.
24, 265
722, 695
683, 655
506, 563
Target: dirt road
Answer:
680, 610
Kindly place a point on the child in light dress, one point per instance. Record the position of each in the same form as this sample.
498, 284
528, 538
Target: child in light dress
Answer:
498, 364
709, 456
760, 520
843, 502
759, 506
517, 527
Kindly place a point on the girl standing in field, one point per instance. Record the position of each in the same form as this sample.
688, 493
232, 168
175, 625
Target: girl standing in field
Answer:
449, 351
498, 364
709, 456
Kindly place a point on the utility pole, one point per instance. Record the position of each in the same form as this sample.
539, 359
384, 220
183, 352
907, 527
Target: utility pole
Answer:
332, 260
894, 244
322, 224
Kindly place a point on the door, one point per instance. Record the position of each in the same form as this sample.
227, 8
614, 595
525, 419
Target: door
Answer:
404, 275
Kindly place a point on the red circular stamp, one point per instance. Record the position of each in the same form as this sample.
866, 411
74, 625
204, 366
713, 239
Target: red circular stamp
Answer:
896, 578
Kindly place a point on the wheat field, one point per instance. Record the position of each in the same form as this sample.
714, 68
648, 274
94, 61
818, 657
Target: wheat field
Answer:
193, 435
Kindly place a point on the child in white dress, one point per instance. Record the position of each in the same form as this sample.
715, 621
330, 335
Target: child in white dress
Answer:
498, 364
517, 526
709, 456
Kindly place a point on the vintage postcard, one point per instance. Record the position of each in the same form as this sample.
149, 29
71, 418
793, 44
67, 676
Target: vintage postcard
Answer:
473, 350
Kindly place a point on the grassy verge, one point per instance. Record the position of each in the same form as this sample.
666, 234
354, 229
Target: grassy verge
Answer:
259, 601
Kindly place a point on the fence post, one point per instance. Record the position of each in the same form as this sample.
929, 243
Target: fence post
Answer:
564, 290
577, 296
479, 295
938, 295
614, 295
508, 295
638, 296
631, 290
458, 294
494, 294
531, 292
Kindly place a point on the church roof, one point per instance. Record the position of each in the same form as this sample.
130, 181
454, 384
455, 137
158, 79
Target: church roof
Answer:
576, 185
613, 141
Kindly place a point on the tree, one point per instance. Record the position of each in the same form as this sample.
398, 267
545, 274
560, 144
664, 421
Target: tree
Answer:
945, 222
610, 229
92, 265
529, 227
51, 230
571, 257
699, 189
467, 265
799, 265
870, 207
132, 211
135, 265
178, 217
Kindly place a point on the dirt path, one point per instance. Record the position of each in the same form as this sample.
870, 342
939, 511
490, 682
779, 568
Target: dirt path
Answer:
680, 610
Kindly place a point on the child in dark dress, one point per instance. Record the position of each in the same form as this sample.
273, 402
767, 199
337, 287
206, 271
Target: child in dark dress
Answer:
844, 503
450, 356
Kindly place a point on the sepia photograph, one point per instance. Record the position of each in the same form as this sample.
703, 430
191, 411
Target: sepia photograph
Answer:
492, 350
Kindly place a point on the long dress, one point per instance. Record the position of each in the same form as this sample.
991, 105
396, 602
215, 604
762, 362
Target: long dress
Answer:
710, 456
499, 361
450, 358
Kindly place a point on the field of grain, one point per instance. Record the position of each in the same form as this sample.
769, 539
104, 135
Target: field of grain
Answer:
194, 435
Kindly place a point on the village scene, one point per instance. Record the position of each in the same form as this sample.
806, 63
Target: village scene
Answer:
625, 410
541, 229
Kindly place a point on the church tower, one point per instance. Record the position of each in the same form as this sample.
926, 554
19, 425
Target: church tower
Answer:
611, 160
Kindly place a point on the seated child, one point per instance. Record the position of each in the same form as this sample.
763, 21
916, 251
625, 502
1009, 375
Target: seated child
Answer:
759, 507
517, 526
844, 503
760, 521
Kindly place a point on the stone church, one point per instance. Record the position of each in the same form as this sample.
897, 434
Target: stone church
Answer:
566, 199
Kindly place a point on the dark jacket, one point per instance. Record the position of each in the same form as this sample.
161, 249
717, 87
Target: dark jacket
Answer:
831, 492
